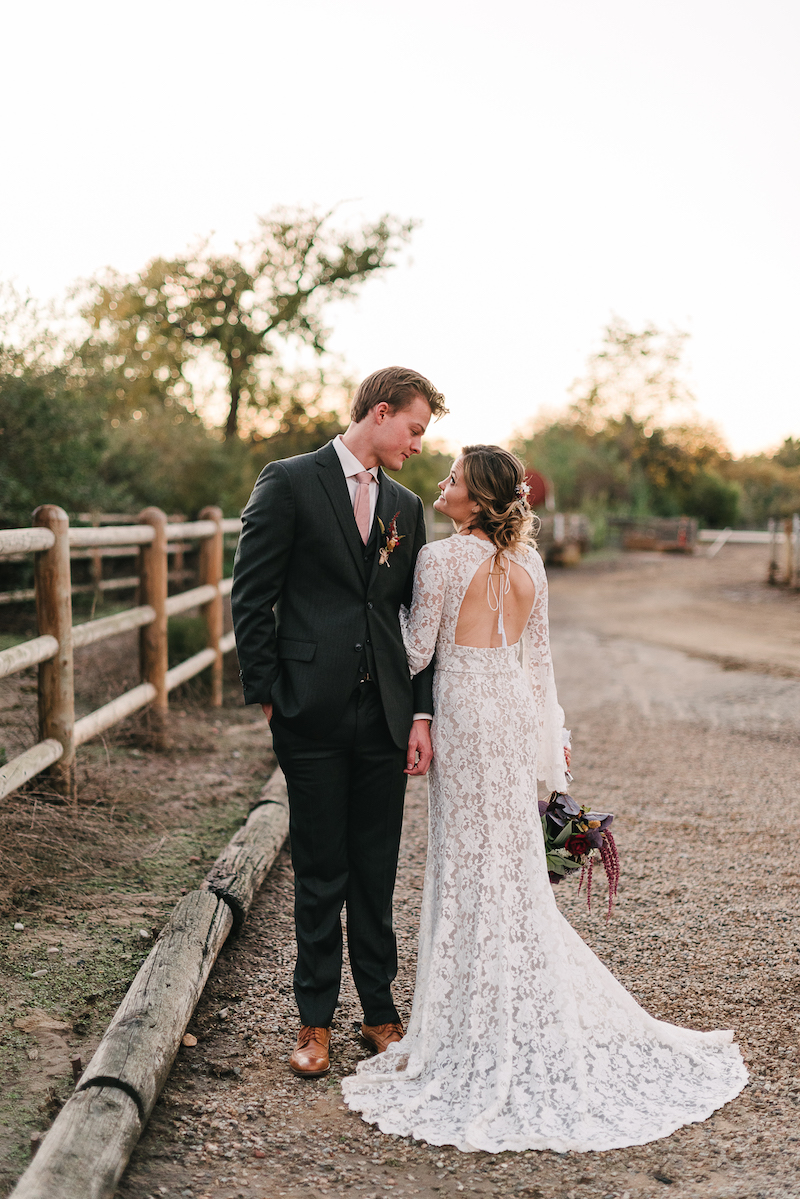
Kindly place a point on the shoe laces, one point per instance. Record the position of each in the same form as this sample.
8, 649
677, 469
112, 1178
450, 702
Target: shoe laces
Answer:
308, 1033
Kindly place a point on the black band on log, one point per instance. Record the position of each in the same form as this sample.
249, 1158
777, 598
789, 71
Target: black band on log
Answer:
101, 1080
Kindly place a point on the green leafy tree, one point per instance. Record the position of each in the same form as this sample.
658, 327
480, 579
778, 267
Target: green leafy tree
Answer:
422, 473
203, 467
147, 329
637, 373
767, 486
789, 453
613, 450
52, 448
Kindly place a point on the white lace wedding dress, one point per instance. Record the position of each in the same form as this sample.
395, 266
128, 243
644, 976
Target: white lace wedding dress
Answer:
519, 1037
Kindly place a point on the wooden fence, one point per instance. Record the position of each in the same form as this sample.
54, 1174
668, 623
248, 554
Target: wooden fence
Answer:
51, 540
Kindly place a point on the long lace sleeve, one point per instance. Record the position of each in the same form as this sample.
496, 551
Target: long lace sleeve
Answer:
420, 625
538, 665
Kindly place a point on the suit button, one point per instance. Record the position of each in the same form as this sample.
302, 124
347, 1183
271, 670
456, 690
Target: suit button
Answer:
368, 641
369, 607
359, 646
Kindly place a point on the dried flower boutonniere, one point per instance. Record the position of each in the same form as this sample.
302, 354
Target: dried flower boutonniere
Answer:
392, 539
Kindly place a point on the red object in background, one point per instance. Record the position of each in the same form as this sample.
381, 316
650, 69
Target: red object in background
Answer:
541, 490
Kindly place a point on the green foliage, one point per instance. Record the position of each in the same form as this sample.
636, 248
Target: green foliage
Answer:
421, 473
610, 455
789, 453
186, 636
768, 487
52, 447
149, 328
171, 459
112, 427
625, 468
635, 372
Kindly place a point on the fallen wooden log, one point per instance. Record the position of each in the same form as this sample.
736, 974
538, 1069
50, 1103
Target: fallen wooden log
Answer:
86, 1150
89, 1145
243, 865
142, 1040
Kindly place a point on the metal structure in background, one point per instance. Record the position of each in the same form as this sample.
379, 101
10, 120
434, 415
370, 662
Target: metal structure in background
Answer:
787, 573
52, 541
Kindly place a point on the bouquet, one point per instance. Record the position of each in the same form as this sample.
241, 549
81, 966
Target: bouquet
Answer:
574, 839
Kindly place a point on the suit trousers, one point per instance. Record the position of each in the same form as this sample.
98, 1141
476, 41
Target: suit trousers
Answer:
346, 795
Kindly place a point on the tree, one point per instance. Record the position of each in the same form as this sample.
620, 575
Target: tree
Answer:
768, 487
52, 447
613, 450
789, 452
637, 373
52, 442
148, 328
423, 471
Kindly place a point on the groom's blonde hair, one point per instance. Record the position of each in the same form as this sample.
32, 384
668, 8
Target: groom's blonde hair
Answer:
396, 386
495, 481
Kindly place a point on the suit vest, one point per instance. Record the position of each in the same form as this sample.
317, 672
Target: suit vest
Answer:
366, 662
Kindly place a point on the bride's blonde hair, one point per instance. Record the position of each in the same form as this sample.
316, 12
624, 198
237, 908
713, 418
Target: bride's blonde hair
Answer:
495, 481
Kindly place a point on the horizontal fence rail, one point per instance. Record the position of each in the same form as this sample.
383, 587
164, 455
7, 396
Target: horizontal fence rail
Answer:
742, 536
153, 539
106, 541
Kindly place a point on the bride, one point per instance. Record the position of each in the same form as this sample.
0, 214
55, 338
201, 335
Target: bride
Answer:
519, 1037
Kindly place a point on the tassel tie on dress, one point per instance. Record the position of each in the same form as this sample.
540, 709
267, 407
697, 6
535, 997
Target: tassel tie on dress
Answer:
494, 598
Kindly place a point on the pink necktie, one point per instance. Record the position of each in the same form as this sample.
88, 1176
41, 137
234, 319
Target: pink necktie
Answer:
361, 503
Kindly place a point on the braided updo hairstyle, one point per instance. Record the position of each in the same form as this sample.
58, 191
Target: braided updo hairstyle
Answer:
495, 481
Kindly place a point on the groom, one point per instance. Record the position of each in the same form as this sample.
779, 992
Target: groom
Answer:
325, 559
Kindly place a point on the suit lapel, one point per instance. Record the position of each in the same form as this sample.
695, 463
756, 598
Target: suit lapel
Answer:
387, 506
332, 478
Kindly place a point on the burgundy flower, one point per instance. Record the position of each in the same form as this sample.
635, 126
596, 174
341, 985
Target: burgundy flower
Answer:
577, 845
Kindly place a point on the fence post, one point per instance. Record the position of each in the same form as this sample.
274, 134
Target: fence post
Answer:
795, 579
97, 564
179, 563
789, 558
772, 569
153, 655
211, 550
54, 615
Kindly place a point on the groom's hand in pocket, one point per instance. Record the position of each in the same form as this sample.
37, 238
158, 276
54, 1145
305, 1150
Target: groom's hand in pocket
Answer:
420, 750
267, 710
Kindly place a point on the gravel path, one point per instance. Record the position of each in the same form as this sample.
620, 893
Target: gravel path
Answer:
700, 765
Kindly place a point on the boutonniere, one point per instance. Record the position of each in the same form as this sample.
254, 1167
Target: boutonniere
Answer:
392, 539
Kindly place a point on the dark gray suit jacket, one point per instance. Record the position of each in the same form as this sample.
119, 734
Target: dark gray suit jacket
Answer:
305, 604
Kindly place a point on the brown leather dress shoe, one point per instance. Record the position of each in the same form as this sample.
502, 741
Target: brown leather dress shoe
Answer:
380, 1036
310, 1058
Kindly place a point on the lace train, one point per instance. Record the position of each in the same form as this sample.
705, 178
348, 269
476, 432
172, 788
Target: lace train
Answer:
519, 1037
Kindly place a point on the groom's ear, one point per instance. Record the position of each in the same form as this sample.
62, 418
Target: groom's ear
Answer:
380, 412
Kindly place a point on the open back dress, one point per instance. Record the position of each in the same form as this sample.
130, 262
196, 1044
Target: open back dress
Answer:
519, 1036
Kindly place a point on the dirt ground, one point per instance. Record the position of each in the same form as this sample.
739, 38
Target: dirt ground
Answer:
692, 740
92, 885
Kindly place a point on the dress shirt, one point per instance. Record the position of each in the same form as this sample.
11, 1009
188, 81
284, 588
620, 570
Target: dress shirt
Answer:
351, 467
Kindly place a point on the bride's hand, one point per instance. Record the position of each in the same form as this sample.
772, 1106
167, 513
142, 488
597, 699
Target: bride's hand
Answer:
568, 756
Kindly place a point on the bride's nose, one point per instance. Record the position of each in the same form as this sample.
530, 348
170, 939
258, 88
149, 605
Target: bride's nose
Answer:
441, 485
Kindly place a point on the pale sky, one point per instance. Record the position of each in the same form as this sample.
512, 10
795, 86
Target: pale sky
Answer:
568, 160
